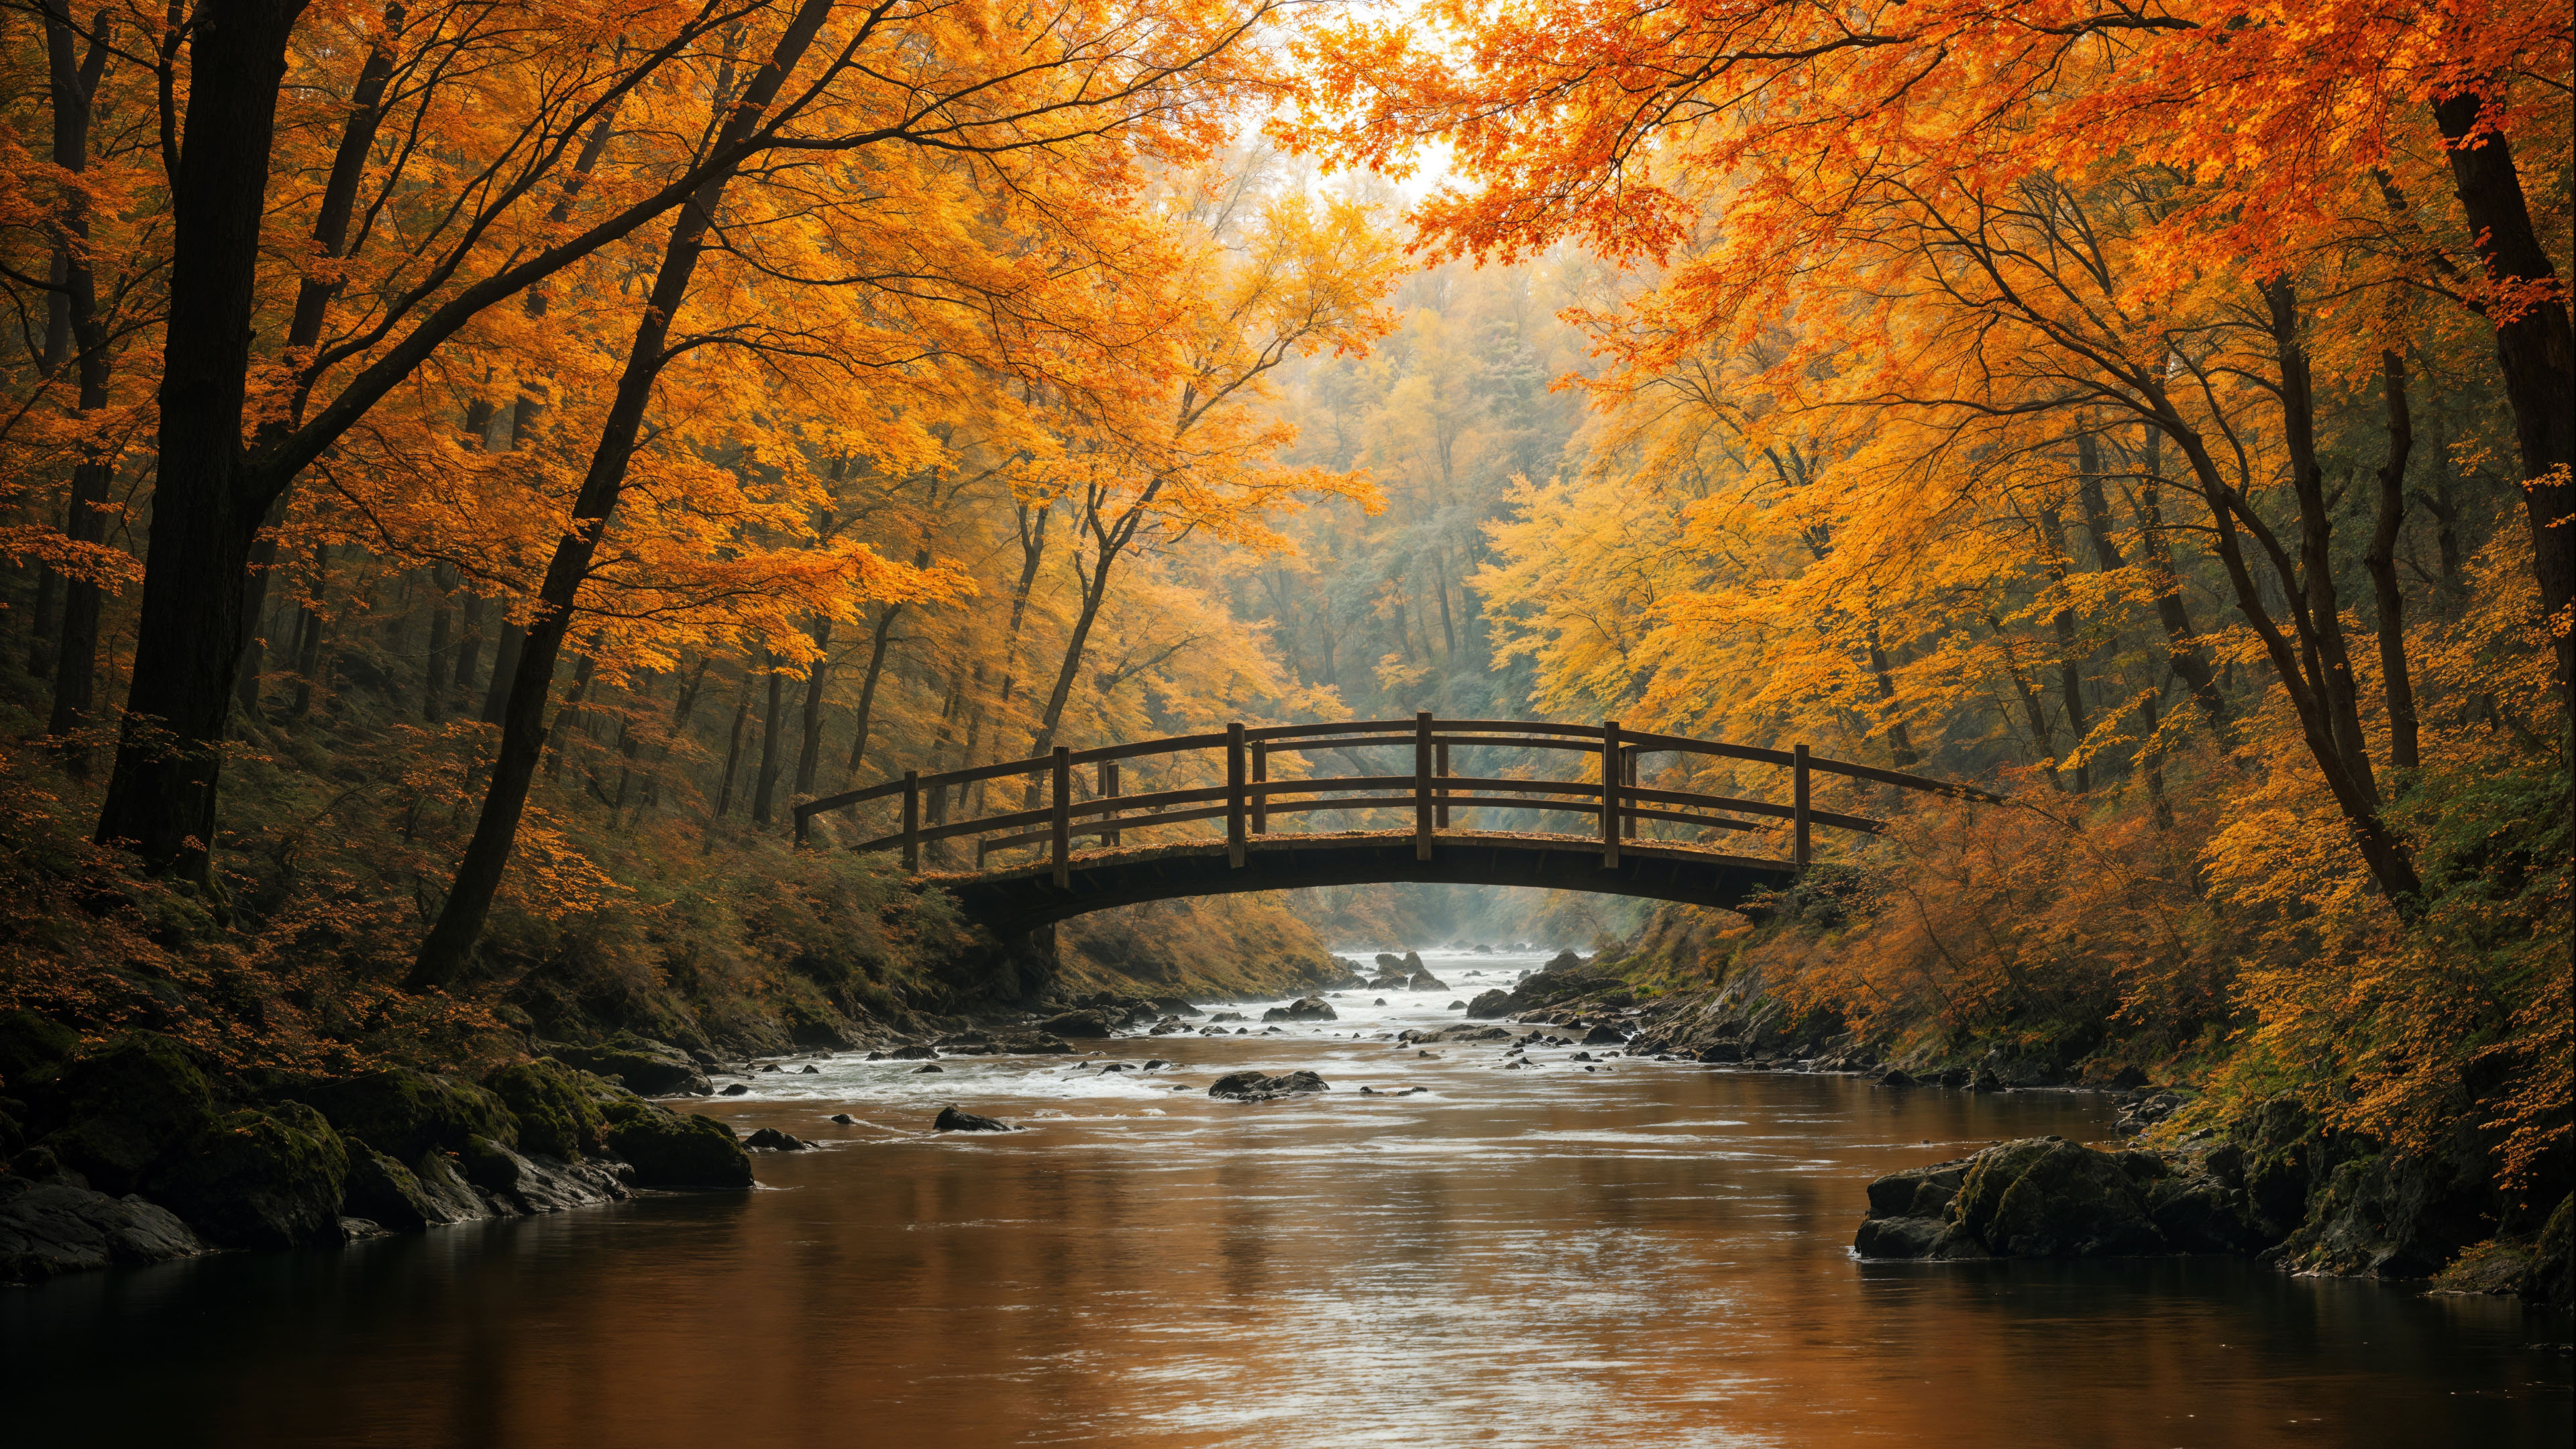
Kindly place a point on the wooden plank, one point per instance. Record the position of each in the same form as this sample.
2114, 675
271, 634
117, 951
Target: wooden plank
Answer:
1260, 798
1610, 795
1422, 828
1628, 817
1060, 826
1234, 798
912, 820
1440, 766
1798, 802
1109, 796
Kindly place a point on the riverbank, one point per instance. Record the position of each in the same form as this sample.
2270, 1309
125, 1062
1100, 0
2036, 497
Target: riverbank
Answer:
2189, 1171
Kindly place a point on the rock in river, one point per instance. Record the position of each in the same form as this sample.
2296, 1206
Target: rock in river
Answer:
1490, 1004
1077, 1024
1254, 1087
770, 1139
2045, 1197
952, 1120
1312, 1008
50, 1227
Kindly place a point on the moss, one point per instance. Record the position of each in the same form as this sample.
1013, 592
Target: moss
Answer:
123, 1108
405, 1113
2044, 1197
556, 1112
255, 1179
676, 1149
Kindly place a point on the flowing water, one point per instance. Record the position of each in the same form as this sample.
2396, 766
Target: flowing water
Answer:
1646, 1254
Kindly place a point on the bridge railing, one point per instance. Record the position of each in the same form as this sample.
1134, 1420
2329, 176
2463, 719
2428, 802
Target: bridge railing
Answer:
1249, 797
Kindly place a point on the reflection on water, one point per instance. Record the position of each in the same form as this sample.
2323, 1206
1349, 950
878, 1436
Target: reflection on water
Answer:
1652, 1254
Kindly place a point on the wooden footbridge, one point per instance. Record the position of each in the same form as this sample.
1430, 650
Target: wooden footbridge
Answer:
1609, 859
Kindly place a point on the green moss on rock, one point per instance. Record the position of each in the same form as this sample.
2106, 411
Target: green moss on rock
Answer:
557, 1109
676, 1149
124, 1108
405, 1113
254, 1179
2044, 1197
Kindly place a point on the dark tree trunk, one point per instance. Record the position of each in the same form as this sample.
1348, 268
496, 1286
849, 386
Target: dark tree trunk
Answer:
773, 725
73, 83
868, 691
809, 744
207, 505
2182, 642
2534, 348
2381, 560
505, 669
2317, 612
434, 684
733, 749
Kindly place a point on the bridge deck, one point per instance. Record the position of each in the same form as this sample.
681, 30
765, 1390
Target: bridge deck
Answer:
1022, 897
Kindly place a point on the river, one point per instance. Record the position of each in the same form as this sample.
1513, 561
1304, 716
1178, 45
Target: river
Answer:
1647, 1254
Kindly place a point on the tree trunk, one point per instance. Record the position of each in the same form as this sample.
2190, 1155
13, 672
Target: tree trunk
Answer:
2534, 348
733, 748
208, 503
868, 692
2381, 560
773, 724
505, 670
469, 644
2317, 611
442, 645
809, 744
478, 874
2182, 642
74, 665
2070, 674
308, 636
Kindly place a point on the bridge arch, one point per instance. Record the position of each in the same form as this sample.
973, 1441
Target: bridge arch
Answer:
1611, 857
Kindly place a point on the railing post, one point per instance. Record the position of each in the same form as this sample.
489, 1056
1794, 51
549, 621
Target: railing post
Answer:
1798, 809
1440, 767
1610, 794
1628, 814
912, 820
1260, 776
1060, 768
1422, 784
1234, 851
1109, 791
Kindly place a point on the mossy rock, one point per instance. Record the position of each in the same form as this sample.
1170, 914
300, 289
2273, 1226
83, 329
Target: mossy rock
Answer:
676, 1149
29, 1043
259, 1179
383, 1191
557, 1111
2044, 1197
404, 1113
125, 1107
656, 1069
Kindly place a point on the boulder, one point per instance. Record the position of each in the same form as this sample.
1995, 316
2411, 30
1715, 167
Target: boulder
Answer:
1229, 1016
124, 1108
1035, 1044
405, 1113
1255, 1087
952, 1120
1176, 1006
1489, 1005
444, 1189
770, 1139
913, 1054
558, 1112
1604, 1036
517, 1183
736, 1089
1388, 962
1312, 1008
1425, 981
2393, 1215
255, 1179
1077, 1024
845, 1119
53, 1227
1899, 1237
1896, 1077
2044, 1197
382, 1190
1917, 1192
1413, 963
676, 1149
1720, 1051
928, 1067
648, 1067
1457, 1006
